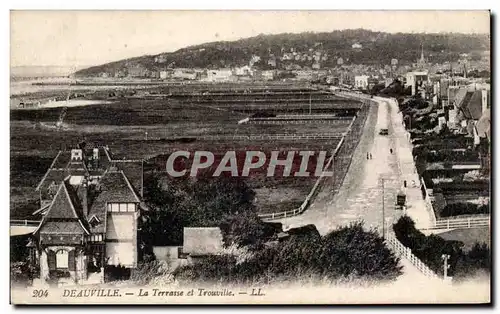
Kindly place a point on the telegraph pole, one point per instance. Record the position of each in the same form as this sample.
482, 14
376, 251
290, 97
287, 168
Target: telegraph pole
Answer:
445, 258
383, 210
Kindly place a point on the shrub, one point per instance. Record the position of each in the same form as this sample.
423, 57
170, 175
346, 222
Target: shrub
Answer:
246, 230
429, 249
151, 271
116, 272
457, 209
348, 252
351, 249
211, 269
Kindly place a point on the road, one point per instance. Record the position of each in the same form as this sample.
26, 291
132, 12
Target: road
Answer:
360, 197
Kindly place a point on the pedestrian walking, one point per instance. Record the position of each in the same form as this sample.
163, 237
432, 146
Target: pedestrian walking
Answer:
367, 156
370, 155
390, 150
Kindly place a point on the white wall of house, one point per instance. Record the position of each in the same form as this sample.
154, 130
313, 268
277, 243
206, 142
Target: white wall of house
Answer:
121, 235
120, 226
361, 81
121, 253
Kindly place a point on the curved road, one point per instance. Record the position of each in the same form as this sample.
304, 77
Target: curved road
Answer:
360, 196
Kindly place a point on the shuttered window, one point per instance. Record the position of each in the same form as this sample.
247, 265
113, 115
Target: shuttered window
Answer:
51, 260
71, 260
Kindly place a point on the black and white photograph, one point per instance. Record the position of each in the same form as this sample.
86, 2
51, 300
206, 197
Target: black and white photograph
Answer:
250, 157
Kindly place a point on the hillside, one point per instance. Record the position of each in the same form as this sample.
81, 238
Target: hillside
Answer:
275, 51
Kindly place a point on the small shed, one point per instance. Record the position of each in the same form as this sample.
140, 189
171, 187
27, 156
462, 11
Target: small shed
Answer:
202, 241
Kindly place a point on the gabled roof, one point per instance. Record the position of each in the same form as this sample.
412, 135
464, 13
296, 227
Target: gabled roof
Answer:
64, 213
471, 105
63, 205
114, 187
62, 166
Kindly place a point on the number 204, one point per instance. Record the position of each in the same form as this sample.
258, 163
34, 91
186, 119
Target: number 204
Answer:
40, 293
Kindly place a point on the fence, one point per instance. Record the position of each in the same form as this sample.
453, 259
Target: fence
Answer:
311, 194
27, 223
344, 149
428, 202
405, 252
254, 137
466, 222
280, 121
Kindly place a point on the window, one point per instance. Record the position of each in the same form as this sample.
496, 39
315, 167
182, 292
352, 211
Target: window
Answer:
62, 259
96, 238
94, 221
122, 207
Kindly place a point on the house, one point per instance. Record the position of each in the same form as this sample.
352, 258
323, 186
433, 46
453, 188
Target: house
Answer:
272, 61
219, 75
243, 71
417, 80
201, 242
357, 46
184, 74
303, 75
163, 75
137, 71
89, 217
361, 81
470, 106
268, 75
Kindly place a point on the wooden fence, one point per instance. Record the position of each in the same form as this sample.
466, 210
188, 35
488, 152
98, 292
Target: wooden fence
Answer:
25, 222
311, 194
405, 252
465, 222
340, 168
255, 137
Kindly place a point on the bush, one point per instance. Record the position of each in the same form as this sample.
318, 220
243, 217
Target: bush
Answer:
211, 269
183, 202
118, 272
246, 230
351, 249
348, 252
146, 272
474, 262
429, 249
457, 209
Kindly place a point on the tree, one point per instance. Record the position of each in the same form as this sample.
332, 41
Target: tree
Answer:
352, 250
176, 203
344, 253
247, 230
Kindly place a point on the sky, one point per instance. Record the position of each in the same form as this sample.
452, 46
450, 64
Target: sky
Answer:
84, 38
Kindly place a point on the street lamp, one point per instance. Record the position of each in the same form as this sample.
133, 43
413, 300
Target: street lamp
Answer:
383, 208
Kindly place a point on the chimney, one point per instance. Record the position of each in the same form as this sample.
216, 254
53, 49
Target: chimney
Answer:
85, 205
76, 154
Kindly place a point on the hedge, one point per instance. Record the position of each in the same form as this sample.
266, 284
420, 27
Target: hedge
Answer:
429, 249
457, 209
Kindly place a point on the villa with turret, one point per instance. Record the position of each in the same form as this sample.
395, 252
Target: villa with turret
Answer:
90, 208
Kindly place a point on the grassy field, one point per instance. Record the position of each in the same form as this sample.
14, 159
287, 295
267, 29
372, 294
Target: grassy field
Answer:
469, 236
123, 124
